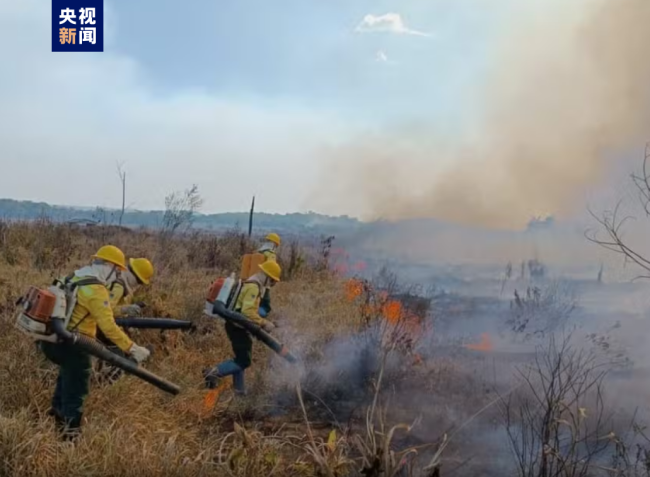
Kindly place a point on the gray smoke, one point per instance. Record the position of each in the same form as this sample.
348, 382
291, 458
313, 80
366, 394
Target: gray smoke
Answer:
567, 93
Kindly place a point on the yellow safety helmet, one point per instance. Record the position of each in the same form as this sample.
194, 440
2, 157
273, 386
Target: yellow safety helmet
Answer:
271, 269
273, 237
111, 254
142, 269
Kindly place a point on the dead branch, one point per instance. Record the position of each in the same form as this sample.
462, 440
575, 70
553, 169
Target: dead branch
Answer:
122, 175
558, 425
642, 182
613, 224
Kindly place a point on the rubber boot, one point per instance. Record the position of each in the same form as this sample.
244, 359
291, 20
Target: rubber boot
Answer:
211, 377
238, 383
227, 368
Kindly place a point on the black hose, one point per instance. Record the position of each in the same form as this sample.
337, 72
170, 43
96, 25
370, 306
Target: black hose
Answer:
154, 323
255, 330
95, 348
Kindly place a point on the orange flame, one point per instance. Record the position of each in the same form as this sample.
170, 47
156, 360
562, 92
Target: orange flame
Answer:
484, 345
212, 396
353, 289
393, 311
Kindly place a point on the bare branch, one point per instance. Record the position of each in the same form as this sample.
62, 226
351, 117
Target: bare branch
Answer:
180, 209
549, 430
642, 182
122, 175
613, 225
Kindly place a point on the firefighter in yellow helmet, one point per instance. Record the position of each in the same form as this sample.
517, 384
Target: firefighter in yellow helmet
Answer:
269, 250
247, 304
270, 247
92, 310
139, 272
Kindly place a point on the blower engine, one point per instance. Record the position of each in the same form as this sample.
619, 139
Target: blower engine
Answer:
44, 314
37, 308
226, 290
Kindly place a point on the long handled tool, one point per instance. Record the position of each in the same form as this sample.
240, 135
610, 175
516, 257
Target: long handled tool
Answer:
154, 323
95, 348
255, 330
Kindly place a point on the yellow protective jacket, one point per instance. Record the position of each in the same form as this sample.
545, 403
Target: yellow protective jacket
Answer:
248, 301
93, 309
118, 298
270, 255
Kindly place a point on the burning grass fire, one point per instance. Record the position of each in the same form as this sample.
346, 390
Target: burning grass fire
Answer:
484, 345
402, 317
321, 361
385, 384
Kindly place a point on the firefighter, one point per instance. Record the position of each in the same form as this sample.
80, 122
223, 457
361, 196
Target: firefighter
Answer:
270, 247
269, 250
92, 310
139, 272
247, 304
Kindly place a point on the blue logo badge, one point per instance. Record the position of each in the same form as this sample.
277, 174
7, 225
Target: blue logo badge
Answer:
77, 25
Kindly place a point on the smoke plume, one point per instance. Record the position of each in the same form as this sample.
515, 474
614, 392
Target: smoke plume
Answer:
567, 93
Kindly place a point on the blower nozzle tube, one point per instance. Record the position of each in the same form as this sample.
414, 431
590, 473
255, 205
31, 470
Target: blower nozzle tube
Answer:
154, 323
96, 349
255, 330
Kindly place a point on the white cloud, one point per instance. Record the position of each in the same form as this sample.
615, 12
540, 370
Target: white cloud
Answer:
389, 22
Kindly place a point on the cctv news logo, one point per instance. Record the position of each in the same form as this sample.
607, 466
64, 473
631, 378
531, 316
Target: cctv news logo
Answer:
77, 25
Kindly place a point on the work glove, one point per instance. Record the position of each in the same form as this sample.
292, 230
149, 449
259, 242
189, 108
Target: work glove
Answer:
268, 326
139, 353
131, 310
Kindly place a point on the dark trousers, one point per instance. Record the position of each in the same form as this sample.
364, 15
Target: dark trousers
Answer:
72, 384
242, 347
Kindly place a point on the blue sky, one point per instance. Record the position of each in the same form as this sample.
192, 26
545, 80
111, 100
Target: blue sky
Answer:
240, 97
308, 52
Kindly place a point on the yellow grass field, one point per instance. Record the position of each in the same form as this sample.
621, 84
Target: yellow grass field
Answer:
133, 429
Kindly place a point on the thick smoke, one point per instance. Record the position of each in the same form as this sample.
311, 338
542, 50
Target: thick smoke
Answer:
567, 91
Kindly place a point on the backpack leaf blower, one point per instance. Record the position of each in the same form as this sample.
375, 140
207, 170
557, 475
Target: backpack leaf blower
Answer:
254, 329
43, 315
222, 297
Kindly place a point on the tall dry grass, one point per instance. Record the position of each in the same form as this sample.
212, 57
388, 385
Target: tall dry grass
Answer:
130, 427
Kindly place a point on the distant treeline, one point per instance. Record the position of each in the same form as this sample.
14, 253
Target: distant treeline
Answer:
25, 210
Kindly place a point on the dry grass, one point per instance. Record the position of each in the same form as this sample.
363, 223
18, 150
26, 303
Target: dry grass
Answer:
131, 428
358, 403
